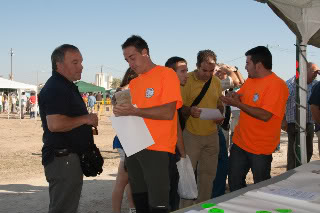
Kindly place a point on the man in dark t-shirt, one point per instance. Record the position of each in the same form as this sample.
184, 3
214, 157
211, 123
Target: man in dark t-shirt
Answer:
314, 102
67, 129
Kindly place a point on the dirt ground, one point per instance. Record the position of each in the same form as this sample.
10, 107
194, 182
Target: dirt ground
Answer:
23, 187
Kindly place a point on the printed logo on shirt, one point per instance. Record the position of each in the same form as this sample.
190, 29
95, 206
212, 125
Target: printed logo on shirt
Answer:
255, 97
149, 92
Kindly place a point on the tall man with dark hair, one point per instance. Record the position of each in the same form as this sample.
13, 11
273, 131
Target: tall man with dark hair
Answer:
262, 101
156, 93
67, 129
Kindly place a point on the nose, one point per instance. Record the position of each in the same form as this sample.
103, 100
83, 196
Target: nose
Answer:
130, 63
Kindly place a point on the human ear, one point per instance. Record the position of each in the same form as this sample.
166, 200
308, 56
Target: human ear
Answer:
59, 65
144, 52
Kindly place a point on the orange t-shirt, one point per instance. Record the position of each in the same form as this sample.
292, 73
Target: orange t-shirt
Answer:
253, 135
157, 87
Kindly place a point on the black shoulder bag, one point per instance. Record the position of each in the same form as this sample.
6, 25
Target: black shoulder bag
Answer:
91, 161
183, 119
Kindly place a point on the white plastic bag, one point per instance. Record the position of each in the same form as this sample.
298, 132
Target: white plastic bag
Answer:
187, 186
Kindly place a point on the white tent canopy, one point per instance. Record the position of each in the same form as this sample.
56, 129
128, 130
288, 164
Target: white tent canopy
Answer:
8, 84
303, 19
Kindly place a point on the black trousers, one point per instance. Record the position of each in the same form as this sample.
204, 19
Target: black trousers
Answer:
174, 198
241, 161
292, 134
148, 173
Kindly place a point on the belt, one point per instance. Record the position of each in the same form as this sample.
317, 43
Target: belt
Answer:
61, 152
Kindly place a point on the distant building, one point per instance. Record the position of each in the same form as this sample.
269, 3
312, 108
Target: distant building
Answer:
103, 81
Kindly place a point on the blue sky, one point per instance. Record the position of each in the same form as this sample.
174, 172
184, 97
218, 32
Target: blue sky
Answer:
34, 28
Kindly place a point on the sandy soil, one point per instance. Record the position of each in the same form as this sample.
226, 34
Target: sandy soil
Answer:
23, 187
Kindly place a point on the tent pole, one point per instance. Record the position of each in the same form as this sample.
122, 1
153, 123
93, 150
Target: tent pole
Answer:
297, 115
301, 104
8, 100
303, 101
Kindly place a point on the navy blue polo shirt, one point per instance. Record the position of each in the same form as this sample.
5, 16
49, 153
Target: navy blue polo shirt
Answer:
60, 96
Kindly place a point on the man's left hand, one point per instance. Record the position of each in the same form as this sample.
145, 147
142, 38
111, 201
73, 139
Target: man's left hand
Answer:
124, 110
232, 99
220, 121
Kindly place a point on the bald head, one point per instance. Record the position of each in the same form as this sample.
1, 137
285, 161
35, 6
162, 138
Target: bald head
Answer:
313, 71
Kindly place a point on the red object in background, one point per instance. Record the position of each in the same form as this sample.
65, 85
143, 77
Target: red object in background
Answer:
33, 99
297, 72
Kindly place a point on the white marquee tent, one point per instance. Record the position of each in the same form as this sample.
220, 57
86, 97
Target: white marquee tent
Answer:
8, 84
303, 19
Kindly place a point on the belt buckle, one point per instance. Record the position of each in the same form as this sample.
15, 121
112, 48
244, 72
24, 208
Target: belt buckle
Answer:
61, 152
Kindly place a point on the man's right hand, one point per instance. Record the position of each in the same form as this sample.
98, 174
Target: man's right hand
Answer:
195, 112
284, 125
92, 119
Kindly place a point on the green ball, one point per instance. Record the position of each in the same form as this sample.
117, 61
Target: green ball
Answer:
216, 210
208, 205
284, 210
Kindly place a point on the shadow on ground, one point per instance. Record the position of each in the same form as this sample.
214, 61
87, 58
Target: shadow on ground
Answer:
26, 198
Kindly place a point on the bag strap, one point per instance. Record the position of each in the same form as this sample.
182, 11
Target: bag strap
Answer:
202, 93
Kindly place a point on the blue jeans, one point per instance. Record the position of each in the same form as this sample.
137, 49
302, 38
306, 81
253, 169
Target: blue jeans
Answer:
219, 183
240, 161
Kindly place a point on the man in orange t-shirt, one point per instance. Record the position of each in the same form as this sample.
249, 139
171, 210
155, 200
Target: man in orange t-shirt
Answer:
156, 93
262, 101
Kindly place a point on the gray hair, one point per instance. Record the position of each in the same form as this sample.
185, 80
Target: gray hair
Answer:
59, 53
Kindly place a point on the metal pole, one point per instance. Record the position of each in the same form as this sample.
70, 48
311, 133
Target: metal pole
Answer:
303, 101
11, 54
297, 116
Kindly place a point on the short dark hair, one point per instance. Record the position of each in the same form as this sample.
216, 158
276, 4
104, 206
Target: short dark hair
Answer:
137, 42
172, 62
205, 55
128, 76
261, 54
59, 53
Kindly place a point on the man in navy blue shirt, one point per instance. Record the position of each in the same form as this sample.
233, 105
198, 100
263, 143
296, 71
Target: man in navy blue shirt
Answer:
314, 102
67, 129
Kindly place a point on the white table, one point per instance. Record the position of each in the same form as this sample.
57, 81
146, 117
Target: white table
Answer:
255, 197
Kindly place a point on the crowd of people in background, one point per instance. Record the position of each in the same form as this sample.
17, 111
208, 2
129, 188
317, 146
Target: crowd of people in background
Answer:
9, 103
94, 101
170, 100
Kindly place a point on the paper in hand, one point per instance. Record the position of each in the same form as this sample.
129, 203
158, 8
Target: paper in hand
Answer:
210, 114
133, 133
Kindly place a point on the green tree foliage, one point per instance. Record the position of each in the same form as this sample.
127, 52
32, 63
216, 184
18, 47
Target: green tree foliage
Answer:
115, 83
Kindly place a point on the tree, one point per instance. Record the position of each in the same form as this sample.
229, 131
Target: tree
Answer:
115, 83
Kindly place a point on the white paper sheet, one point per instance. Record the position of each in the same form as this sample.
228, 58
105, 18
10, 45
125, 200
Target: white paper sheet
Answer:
293, 193
210, 114
132, 132
234, 108
305, 185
